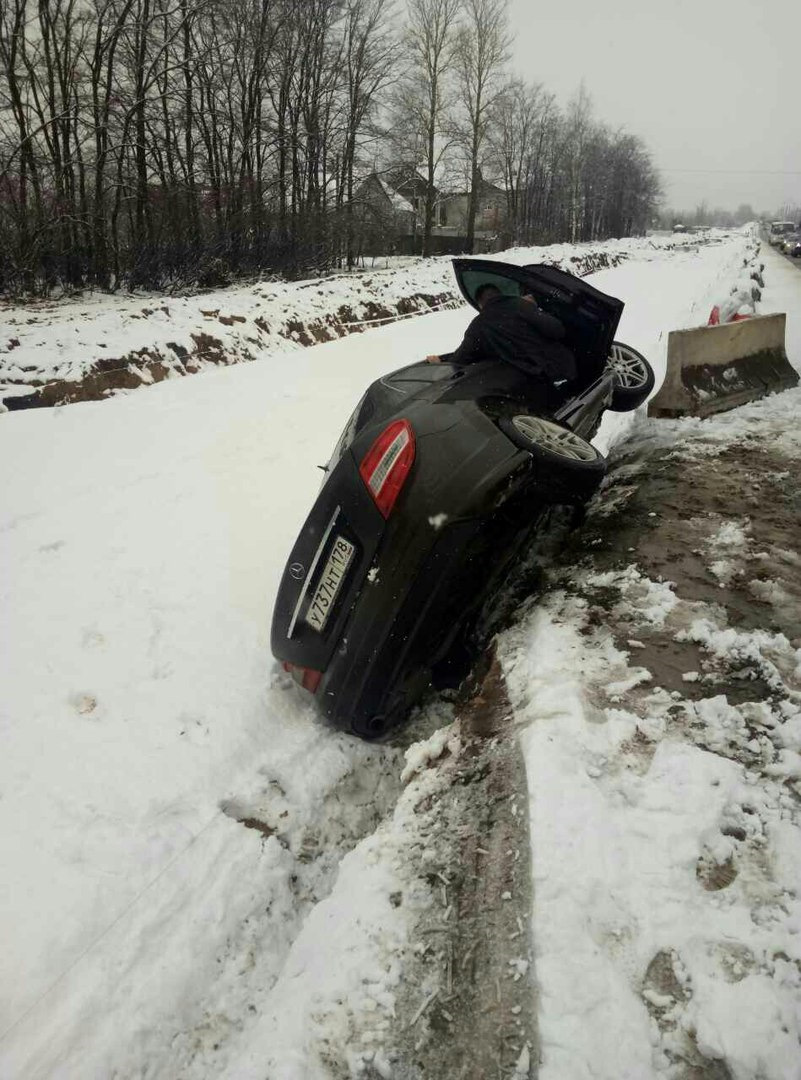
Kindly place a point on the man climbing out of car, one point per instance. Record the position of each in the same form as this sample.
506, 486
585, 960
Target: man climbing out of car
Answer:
514, 329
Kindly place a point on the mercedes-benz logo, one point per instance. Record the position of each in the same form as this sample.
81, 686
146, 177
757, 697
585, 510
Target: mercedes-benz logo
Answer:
297, 571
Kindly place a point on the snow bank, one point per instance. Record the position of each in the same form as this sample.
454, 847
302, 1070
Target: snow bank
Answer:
172, 811
641, 958
90, 347
666, 835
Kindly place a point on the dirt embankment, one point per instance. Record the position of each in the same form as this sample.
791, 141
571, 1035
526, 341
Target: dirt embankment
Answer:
212, 345
466, 1007
688, 565
153, 364
709, 513
722, 526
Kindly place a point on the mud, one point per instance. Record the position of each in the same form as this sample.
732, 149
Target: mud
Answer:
660, 511
467, 1010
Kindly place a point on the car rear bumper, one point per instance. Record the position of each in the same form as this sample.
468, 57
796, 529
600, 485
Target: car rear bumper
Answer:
404, 620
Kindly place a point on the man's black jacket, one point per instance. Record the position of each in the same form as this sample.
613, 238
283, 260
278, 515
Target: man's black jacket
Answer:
508, 328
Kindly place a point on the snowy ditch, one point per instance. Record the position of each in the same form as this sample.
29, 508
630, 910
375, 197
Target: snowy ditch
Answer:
218, 885
87, 348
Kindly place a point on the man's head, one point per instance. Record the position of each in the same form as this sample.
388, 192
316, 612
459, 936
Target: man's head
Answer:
485, 293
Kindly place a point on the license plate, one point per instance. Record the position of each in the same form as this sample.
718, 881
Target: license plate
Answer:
330, 582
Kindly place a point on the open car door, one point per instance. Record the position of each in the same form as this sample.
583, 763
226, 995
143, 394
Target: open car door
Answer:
590, 317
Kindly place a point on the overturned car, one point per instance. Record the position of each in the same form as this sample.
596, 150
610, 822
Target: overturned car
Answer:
437, 483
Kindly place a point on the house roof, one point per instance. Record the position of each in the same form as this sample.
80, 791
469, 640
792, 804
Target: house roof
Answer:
408, 178
485, 187
397, 200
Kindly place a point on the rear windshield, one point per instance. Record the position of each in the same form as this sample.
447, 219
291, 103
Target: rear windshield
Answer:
358, 417
474, 279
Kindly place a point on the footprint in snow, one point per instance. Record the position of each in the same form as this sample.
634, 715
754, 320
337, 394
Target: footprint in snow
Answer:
84, 704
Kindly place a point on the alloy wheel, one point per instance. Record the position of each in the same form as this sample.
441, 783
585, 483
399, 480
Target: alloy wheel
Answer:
629, 368
555, 438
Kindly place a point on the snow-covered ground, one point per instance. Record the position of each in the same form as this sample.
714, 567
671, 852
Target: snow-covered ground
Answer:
666, 832
177, 899
64, 339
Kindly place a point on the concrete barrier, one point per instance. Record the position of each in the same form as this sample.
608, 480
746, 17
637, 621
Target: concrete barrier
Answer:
714, 368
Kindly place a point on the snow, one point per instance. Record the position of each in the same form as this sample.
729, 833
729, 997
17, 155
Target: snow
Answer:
62, 339
346, 963
399, 203
728, 543
147, 536
523, 1066
654, 599
615, 855
198, 875
665, 839
419, 756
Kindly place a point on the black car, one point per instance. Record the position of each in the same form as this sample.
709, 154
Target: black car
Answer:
439, 479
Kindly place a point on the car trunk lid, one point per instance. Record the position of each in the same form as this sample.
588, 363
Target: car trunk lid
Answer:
589, 316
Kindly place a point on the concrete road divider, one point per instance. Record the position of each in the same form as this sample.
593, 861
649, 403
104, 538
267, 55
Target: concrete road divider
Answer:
714, 368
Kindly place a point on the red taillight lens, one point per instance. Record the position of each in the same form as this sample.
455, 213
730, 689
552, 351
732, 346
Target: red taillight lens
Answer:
387, 464
311, 680
306, 677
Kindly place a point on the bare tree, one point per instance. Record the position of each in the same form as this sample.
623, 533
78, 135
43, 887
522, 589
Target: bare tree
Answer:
19, 179
368, 63
166, 142
515, 140
481, 55
422, 128
578, 123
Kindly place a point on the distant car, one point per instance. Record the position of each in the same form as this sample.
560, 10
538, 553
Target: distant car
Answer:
778, 231
439, 479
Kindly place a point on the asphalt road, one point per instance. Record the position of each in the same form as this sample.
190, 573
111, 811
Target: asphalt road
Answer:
794, 261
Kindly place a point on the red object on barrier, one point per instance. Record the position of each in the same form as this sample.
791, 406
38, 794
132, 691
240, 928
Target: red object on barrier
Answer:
714, 317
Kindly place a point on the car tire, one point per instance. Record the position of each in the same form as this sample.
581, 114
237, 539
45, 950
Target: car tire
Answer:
573, 464
634, 377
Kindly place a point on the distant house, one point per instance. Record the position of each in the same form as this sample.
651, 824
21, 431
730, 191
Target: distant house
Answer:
383, 216
409, 183
390, 211
490, 217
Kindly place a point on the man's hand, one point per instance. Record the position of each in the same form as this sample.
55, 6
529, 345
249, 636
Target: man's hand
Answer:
433, 359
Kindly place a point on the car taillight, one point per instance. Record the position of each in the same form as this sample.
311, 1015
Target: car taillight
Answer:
387, 464
306, 677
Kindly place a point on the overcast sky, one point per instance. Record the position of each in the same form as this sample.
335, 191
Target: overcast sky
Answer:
712, 86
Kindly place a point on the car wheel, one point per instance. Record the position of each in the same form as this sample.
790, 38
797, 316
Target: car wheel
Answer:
634, 377
571, 461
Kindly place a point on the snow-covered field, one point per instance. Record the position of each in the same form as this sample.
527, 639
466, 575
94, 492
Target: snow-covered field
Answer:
177, 897
151, 337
